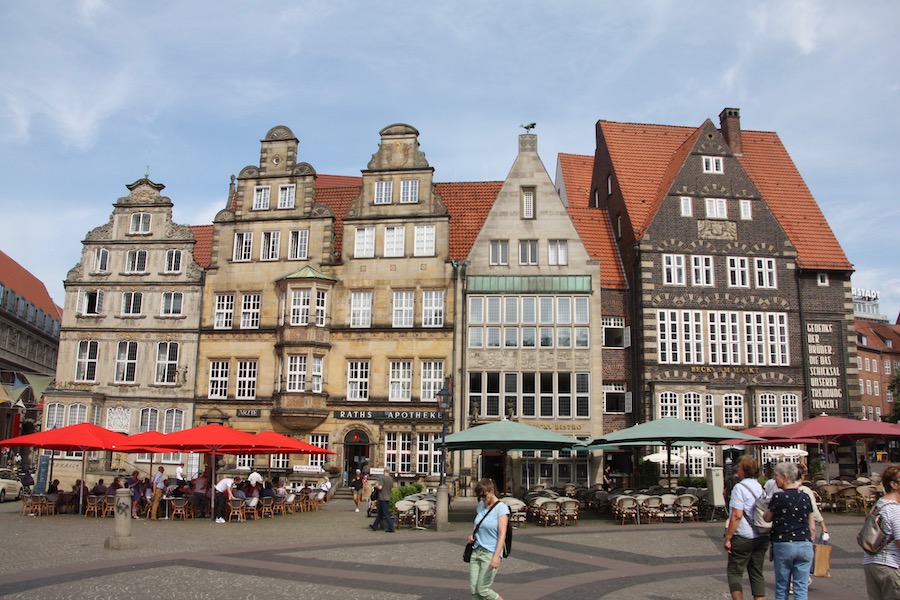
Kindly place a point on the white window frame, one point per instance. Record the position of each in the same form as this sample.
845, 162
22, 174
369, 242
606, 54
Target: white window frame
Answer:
409, 191
136, 261
738, 272
528, 252
822, 279
431, 379
321, 307
296, 373
173, 261
298, 244
250, 310
673, 269
766, 273
702, 270
243, 246
384, 192
287, 195
301, 301
218, 379
246, 380
126, 361
358, 380
687, 206
101, 260
322, 441
86, 361
139, 223
318, 373
767, 410
172, 304
364, 243
746, 210
716, 208
528, 201
425, 240
558, 252
403, 308
224, 311
790, 409
261, 197
167, 362
614, 389
270, 247
132, 303
400, 384
394, 241
713, 164
499, 252
361, 309
724, 338
733, 410
90, 303
433, 308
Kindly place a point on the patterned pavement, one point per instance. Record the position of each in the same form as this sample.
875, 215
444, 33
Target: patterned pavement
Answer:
333, 554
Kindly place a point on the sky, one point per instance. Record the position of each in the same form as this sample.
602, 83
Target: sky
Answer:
93, 93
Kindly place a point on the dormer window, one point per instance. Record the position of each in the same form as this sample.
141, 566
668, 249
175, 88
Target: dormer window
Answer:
713, 164
383, 192
140, 223
528, 203
409, 191
822, 279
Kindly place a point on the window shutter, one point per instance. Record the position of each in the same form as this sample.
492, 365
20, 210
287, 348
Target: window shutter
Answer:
626, 339
99, 302
80, 306
629, 403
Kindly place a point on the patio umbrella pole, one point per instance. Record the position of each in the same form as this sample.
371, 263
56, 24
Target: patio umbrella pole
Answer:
212, 500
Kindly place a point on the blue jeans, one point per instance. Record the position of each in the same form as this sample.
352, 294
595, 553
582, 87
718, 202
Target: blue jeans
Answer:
792, 563
384, 513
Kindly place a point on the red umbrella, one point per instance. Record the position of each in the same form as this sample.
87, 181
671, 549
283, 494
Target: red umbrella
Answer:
216, 439
288, 445
827, 428
148, 441
82, 437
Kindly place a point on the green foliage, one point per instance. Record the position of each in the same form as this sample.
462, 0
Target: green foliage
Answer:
894, 387
815, 466
697, 482
402, 491
648, 475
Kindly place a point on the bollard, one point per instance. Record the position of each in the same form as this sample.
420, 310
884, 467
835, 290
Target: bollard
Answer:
122, 539
441, 508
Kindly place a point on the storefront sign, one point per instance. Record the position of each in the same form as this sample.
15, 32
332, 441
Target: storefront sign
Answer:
826, 385
307, 469
389, 415
252, 413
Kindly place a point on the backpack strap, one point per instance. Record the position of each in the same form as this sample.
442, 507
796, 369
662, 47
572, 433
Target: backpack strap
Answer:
474, 531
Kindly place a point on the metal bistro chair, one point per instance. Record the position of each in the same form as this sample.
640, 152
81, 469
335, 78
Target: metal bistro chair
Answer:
109, 506
180, 508
626, 507
266, 506
686, 506
406, 513
651, 509
568, 511
280, 507
93, 506
235, 510
549, 513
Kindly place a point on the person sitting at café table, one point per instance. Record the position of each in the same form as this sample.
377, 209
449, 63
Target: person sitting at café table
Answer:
268, 491
115, 485
99, 489
53, 488
281, 490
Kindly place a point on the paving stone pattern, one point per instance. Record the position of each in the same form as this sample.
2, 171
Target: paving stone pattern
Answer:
333, 554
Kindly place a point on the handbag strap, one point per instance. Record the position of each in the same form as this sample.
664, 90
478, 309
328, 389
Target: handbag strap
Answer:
474, 531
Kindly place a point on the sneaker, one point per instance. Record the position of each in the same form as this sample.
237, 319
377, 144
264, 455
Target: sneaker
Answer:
372, 527
357, 510
220, 520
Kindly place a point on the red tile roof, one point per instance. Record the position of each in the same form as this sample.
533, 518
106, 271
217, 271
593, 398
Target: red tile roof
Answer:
338, 199
468, 204
646, 158
203, 248
877, 333
592, 223
17, 278
330, 181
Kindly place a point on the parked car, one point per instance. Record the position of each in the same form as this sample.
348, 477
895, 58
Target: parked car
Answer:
10, 486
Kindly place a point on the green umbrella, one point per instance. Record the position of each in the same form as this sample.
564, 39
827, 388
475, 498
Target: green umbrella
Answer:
505, 436
669, 431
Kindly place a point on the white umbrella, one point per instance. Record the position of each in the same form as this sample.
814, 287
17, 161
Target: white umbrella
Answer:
788, 453
661, 457
697, 453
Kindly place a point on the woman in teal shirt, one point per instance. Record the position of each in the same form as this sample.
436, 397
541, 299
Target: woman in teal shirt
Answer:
494, 518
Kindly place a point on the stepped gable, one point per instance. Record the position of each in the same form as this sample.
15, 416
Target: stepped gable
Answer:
468, 204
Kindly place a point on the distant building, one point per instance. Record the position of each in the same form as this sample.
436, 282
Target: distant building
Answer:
29, 341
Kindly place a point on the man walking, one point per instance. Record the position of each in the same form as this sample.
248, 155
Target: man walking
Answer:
159, 485
384, 486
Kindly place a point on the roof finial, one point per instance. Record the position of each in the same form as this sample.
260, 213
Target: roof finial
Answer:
147, 170
528, 127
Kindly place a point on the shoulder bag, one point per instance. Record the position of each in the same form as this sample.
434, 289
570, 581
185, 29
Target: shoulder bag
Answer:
467, 553
871, 537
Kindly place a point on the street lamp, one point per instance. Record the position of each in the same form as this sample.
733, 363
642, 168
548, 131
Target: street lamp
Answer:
445, 402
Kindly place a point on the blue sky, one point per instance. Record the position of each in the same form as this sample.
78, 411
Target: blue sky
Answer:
92, 91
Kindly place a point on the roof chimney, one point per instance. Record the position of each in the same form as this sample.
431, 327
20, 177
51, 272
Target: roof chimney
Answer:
730, 121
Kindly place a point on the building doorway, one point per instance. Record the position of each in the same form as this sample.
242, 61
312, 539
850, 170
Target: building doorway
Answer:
492, 467
356, 453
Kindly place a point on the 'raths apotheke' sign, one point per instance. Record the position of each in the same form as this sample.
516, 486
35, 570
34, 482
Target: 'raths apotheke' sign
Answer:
390, 415
826, 380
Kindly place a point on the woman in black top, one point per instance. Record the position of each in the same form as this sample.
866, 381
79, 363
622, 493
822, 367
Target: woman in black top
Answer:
790, 512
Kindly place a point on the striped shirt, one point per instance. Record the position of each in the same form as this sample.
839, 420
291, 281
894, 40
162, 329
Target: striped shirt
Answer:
890, 524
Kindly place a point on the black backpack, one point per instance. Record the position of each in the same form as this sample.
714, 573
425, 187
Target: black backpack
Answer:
507, 543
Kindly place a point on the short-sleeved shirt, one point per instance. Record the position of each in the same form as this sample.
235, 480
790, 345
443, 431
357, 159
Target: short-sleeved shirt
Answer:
743, 497
158, 481
487, 535
890, 524
387, 485
790, 516
224, 485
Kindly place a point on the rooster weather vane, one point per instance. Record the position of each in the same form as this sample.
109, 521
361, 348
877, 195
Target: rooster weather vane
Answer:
528, 127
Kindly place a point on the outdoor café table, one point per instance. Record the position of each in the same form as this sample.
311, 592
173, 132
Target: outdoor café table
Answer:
67, 501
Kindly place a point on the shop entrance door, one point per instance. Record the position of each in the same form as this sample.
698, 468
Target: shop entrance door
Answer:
356, 452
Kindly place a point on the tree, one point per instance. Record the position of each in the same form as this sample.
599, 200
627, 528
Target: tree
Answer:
894, 389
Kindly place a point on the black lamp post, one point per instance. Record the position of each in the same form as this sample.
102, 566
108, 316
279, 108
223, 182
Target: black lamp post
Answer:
445, 402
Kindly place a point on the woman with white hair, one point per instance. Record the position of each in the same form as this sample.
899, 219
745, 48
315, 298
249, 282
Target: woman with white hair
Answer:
790, 512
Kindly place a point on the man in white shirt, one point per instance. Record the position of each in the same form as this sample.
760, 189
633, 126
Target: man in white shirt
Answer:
223, 494
179, 474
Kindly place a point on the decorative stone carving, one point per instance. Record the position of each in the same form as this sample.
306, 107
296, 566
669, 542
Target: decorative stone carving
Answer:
103, 232
249, 172
224, 216
144, 191
717, 230
280, 132
303, 169
321, 210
